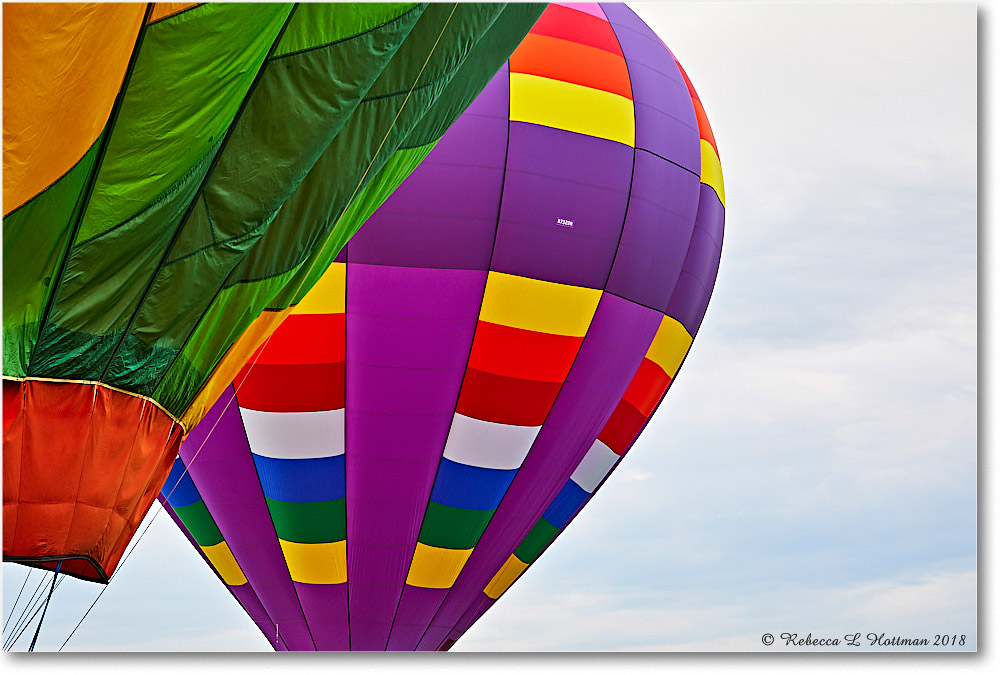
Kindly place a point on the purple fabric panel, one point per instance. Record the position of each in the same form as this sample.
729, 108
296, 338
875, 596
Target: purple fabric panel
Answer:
665, 121
226, 478
416, 609
243, 593
472, 614
615, 345
551, 175
701, 266
409, 332
658, 227
432, 639
444, 214
326, 607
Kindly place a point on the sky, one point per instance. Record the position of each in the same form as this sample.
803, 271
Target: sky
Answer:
814, 469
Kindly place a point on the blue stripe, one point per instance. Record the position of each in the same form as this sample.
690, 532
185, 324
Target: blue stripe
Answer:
183, 493
470, 487
319, 479
567, 502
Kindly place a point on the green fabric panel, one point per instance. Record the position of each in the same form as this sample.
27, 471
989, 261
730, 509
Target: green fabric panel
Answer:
486, 58
538, 538
34, 242
191, 75
309, 522
103, 280
227, 318
199, 523
316, 24
221, 326
448, 527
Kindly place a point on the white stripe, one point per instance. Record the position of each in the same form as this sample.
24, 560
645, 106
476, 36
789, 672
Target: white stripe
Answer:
594, 466
295, 435
490, 445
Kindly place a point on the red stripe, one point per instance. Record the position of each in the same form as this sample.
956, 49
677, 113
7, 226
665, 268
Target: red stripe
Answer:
647, 387
569, 24
306, 338
622, 428
298, 387
507, 400
572, 62
524, 354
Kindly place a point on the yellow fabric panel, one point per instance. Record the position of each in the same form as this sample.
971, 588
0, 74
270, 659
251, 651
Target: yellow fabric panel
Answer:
316, 563
224, 563
670, 345
63, 65
162, 10
327, 296
507, 575
573, 107
711, 170
231, 364
434, 567
542, 306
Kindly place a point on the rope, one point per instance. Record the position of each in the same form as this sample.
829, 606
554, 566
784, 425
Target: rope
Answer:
52, 589
18, 598
37, 608
26, 615
260, 350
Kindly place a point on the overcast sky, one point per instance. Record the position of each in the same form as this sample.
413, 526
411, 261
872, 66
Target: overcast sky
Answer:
814, 468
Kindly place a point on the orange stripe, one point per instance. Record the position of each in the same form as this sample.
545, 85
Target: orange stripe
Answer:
622, 428
704, 128
524, 354
574, 26
63, 65
162, 10
647, 387
572, 62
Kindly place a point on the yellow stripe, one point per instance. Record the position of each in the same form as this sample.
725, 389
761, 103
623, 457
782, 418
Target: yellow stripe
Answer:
670, 344
711, 170
573, 107
434, 567
316, 563
225, 564
507, 575
327, 296
541, 306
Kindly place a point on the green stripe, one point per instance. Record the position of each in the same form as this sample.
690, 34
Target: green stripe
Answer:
199, 523
318, 24
533, 544
34, 239
190, 77
309, 522
448, 527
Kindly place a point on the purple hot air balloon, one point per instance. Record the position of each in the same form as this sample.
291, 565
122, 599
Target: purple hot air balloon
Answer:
442, 403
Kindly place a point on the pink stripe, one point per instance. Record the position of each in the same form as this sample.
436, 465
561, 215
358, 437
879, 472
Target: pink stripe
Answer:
593, 9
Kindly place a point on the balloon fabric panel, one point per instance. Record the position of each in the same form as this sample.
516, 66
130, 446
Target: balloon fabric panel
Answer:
513, 316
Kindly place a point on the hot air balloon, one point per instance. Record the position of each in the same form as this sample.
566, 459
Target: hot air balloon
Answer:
170, 171
478, 358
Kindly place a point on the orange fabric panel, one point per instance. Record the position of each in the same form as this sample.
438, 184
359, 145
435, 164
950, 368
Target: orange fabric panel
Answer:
569, 24
647, 387
162, 10
572, 62
524, 354
622, 428
82, 465
63, 65
704, 128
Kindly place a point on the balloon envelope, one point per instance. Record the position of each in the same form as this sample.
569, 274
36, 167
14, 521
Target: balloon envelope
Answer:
476, 361
170, 171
